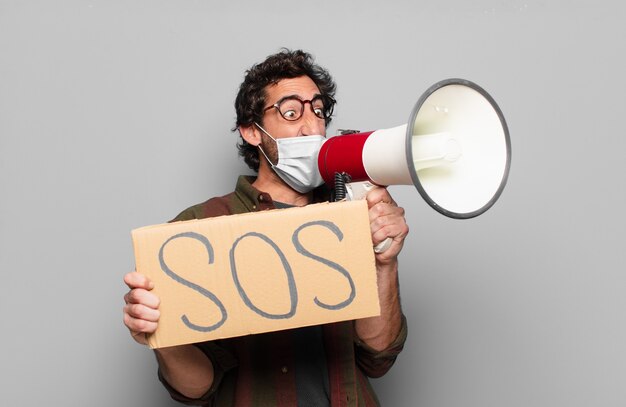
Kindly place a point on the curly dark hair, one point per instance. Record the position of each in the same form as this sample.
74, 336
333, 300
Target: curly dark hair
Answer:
250, 99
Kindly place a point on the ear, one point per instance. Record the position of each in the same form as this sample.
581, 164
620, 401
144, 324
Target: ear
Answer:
251, 134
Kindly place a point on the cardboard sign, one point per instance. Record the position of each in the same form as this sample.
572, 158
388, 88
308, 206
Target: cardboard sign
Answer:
259, 272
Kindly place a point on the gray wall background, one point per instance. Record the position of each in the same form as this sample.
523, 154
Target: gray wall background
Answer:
117, 114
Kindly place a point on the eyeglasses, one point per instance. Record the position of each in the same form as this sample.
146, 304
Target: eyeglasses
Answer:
292, 107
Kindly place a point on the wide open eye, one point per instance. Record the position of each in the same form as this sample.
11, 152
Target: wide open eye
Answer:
318, 107
290, 114
291, 108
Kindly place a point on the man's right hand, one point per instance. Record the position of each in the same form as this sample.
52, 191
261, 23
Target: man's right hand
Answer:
141, 313
186, 368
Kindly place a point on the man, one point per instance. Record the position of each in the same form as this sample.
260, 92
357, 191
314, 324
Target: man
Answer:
283, 107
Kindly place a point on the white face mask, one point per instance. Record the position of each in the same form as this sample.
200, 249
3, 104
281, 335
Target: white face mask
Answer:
297, 161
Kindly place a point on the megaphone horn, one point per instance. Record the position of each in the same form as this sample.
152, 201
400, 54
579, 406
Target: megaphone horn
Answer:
455, 149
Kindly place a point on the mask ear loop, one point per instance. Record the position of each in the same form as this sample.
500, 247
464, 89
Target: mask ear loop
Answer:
261, 148
265, 155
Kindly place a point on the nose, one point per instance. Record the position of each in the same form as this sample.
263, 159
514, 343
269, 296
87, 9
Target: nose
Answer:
311, 124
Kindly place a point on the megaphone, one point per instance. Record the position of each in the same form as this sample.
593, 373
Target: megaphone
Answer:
455, 149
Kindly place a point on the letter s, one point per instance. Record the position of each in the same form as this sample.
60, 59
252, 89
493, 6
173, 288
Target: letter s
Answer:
300, 249
195, 287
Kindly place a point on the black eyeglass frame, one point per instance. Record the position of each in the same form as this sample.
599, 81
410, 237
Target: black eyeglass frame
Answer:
327, 101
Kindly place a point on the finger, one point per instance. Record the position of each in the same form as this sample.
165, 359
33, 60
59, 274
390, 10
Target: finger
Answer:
138, 280
140, 311
139, 325
141, 296
397, 232
387, 221
383, 212
139, 328
378, 195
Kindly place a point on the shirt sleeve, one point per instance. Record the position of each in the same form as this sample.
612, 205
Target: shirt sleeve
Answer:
376, 363
193, 212
222, 361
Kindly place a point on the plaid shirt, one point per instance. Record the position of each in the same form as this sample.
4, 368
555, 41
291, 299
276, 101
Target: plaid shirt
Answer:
258, 370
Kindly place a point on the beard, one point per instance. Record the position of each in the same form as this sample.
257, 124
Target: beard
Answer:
270, 148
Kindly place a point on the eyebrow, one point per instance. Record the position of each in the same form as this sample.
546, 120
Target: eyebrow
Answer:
296, 97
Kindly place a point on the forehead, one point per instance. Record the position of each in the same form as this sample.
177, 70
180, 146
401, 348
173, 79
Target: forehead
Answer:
303, 86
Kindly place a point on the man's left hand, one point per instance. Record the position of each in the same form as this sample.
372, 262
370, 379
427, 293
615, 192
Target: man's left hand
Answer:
386, 221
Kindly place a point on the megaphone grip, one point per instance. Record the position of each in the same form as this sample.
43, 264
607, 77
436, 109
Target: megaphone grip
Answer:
358, 190
383, 246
